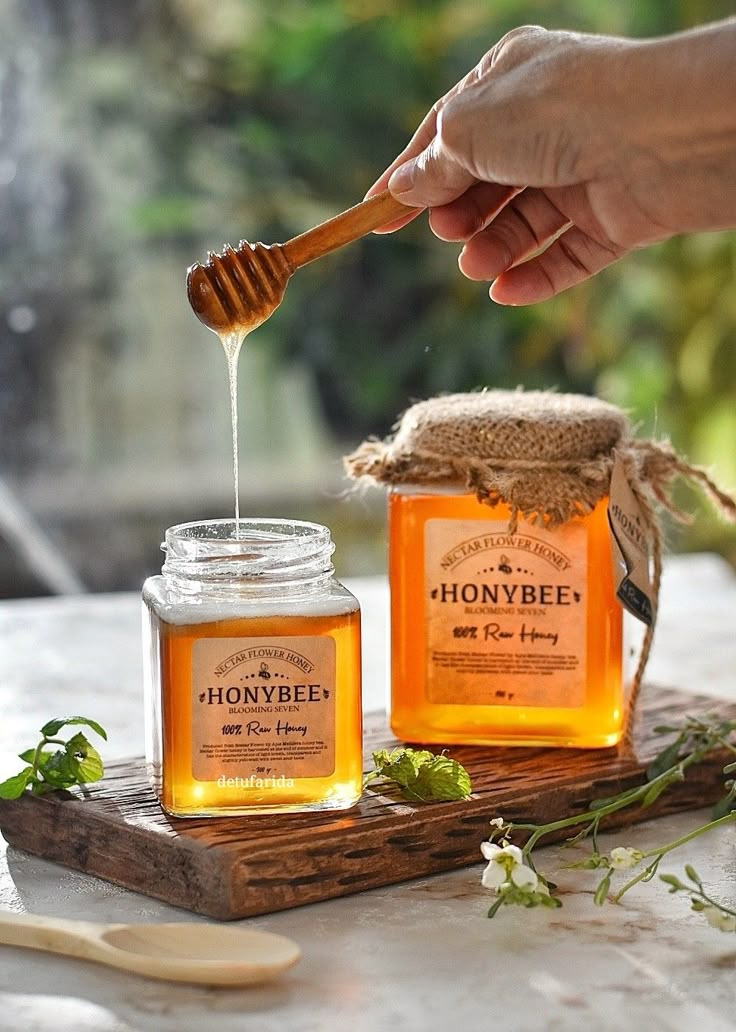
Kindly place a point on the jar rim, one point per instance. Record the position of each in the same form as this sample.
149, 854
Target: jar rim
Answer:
262, 549
298, 528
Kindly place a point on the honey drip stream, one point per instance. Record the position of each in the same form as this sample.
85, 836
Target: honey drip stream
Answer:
234, 292
231, 343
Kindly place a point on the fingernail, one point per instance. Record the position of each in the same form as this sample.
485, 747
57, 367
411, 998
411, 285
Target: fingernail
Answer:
486, 264
493, 294
402, 178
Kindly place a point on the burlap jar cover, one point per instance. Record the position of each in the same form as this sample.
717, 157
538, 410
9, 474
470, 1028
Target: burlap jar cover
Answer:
549, 457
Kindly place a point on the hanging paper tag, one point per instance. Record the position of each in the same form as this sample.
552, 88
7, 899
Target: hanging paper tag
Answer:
629, 547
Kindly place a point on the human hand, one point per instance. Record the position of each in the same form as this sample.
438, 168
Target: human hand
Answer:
561, 152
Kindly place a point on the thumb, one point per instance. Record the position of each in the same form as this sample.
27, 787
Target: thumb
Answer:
430, 179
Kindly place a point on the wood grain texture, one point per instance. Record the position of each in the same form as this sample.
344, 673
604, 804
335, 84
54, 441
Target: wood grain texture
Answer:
234, 867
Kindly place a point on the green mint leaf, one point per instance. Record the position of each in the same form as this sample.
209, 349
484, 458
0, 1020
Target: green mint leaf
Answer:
77, 762
59, 762
15, 786
402, 770
381, 757
60, 771
420, 757
401, 764
71, 765
77, 745
91, 768
42, 787
421, 775
29, 756
52, 728
441, 780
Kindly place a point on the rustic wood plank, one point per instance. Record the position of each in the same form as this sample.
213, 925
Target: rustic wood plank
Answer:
233, 867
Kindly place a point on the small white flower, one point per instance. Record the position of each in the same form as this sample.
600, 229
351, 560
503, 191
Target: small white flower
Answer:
524, 877
489, 850
624, 857
717, 919
506, 865
493, 877
500, 854
497, 822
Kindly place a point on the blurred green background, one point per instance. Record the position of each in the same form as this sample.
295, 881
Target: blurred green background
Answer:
136, 136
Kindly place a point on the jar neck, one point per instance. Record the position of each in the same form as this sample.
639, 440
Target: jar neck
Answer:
261, 557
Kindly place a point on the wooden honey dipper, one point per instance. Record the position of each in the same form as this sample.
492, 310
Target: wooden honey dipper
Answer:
240, 288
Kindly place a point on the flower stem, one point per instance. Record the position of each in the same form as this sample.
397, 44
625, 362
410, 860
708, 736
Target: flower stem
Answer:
620, 802
727, 819
712, 902
39, 749
660, 851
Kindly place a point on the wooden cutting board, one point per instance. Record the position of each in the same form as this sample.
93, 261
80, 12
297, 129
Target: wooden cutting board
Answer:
232, 867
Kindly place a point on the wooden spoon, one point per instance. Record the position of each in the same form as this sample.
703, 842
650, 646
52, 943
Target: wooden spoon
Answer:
206, 954
238, 289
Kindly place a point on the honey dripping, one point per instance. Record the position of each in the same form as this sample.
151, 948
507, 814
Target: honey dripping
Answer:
232, 294
232, 343
235, 292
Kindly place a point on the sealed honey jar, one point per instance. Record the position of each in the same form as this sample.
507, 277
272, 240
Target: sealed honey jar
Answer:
506, 625
252, 671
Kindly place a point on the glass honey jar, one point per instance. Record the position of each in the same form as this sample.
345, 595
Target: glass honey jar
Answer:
506, 627
252, 671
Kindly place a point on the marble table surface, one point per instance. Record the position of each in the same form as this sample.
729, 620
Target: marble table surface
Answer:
416, 956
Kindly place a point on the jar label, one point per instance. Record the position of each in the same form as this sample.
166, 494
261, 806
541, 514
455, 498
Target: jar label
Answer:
263, 710
629, 547
506, 614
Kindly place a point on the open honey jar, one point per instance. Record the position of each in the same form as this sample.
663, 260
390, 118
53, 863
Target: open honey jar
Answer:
252, 671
